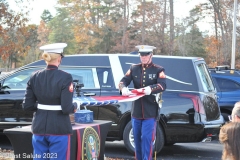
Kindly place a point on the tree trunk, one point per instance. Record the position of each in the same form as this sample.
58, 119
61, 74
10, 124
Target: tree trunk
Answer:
171, 28
163, 50
124, 27
143, 22
217, 10
216, 35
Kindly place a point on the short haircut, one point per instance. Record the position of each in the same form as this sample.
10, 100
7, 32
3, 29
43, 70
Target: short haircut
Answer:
236, 109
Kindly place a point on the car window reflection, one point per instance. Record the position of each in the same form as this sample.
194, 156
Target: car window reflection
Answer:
19, 80
86, 76
227, 85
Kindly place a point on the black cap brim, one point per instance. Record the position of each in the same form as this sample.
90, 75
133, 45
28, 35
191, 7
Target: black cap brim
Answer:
144, 53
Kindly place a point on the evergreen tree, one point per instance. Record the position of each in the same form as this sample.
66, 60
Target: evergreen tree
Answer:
46, 16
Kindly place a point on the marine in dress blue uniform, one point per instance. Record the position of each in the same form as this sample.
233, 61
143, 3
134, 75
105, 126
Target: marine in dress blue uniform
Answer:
150, 79
49, 92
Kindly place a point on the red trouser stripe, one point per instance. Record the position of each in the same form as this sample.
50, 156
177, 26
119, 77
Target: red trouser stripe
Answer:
68, 148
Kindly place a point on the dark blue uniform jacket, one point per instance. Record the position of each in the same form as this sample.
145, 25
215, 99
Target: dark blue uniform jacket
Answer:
142, 76
50, 87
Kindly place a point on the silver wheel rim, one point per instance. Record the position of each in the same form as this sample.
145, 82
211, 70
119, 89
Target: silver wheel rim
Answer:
131, 138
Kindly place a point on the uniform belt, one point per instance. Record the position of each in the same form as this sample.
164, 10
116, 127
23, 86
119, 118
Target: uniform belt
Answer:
49, 107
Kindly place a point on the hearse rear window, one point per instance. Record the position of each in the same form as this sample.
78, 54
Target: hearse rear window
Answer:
92, 78
19, 80
86, 76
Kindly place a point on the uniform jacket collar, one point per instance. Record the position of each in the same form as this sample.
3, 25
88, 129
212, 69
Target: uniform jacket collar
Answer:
147, 65
51, 67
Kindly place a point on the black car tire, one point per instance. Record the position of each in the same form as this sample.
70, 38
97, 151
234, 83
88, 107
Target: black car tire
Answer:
160, 139
129, 141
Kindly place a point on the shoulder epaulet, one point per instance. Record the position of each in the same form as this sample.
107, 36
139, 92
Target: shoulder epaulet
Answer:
37, 71
158, 66
136, 65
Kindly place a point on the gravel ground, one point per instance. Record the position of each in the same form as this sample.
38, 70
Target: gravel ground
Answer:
6, 154
9, 155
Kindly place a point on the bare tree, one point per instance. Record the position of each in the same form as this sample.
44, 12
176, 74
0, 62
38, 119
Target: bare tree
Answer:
125, 25
218, 11
171, 44
162, 42
143, 22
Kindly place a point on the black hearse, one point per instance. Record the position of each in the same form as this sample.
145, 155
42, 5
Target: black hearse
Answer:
190, 112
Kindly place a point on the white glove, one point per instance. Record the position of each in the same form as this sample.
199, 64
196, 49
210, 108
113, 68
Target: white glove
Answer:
78, 104
147, 90
125, 91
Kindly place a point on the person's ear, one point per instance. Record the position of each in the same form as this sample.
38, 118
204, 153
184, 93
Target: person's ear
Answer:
237, 118
59, 59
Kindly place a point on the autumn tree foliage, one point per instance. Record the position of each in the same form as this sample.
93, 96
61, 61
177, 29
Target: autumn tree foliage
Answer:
213, 58
43, 33
94, 24
220, 15
118, 26
13, 34
106, 26
31, 42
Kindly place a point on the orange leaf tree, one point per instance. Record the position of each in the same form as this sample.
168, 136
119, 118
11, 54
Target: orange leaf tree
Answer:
13, 33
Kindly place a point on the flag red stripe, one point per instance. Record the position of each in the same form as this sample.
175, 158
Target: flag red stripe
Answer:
119, 98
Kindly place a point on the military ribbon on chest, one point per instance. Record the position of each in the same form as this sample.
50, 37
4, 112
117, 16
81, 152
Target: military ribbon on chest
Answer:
151, 76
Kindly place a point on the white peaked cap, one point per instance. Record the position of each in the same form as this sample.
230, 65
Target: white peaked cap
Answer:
145, 48
53, 48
